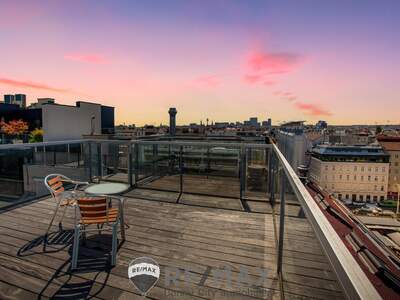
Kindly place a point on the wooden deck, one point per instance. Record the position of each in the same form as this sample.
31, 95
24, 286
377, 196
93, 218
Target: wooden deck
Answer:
198, 239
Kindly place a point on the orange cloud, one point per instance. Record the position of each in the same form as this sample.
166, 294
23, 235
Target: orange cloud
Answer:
30, 84
312, 109
86, 58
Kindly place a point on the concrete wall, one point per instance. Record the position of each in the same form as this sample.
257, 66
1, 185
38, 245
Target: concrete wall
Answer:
62, 122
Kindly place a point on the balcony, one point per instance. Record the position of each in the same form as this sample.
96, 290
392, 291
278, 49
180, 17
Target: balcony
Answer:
195, 207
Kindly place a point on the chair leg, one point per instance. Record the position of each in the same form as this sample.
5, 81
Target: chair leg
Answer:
75, 249
114, 245
48, 228
62, 217
122, 224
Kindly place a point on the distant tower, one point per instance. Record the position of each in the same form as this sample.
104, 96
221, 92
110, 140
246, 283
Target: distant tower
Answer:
20, 99
172, 121
9, 99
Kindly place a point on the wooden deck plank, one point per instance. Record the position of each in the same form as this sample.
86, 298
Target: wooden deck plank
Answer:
176, 236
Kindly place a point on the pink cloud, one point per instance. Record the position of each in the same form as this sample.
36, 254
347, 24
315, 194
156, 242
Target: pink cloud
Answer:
86, 58
269, 82
252, 78
273, 62
208, 80
291, 98
262, 66
30, 84
312, 109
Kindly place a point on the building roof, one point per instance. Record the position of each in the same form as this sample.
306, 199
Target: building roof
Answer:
391, 146
350, 151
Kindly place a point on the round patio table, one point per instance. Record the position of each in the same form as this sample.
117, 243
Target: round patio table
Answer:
109, 188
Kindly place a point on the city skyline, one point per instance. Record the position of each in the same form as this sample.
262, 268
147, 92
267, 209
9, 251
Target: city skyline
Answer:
220, 60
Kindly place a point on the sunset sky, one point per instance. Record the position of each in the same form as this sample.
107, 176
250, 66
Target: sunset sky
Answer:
225, 60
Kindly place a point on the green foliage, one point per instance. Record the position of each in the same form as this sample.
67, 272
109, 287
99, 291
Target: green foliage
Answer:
36, 136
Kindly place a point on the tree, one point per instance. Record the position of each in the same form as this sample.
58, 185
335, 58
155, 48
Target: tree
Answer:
36, 136
14, 127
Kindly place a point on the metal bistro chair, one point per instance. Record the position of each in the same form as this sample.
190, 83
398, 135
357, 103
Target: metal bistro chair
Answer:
63, 198
98, 211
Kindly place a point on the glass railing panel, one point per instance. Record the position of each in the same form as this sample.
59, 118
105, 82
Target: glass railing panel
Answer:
157, 167
113, 161
211, 170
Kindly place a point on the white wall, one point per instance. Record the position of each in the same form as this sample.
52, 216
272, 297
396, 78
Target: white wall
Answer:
62, 122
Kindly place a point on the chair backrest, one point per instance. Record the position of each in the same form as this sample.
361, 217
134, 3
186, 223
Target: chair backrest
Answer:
54, 183
93, 208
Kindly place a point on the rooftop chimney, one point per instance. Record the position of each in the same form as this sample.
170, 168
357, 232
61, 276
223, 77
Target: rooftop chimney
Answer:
172, 121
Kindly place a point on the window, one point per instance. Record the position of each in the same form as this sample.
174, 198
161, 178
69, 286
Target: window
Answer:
362, 169
348, 177
353, 197
369, 178
362, 177
361, 197
396, 156
355, 177
340, 177
376, 169
382, 198
396, 163
382, 188
375, 198
347, 196
376, 178
369, 169
333, 168
375, 188
326, 168
340, 196
383, 169
368, 198
355, 168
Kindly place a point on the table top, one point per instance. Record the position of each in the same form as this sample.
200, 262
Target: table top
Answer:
109, 188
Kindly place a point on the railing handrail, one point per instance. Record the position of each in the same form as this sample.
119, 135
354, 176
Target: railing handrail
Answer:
138, 142
355, 283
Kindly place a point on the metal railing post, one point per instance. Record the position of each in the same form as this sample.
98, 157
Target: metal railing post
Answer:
272, 182
281, 223
181, 169
136, 149
99, 161
130, 165
44, 155
90, 162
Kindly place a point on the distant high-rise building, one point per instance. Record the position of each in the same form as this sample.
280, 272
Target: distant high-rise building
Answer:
267, 123
9, 99
172, 121
253, 121
20, 99
321, 124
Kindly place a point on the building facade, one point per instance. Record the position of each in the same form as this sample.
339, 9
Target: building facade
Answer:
63, 122
359, 174
292, 142
391, 144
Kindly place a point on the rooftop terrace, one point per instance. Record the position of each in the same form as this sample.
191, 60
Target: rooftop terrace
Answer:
203, 207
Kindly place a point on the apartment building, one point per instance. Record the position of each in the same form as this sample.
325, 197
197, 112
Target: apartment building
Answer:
391, 144
351, 173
